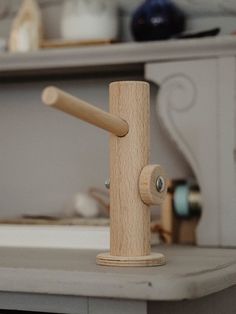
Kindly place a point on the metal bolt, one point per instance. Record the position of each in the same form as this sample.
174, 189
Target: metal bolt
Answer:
160, 184
107, 184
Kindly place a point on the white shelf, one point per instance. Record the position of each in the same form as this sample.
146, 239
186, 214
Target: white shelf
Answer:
108, 57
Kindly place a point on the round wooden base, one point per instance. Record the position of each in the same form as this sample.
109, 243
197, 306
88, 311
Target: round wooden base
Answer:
154, 259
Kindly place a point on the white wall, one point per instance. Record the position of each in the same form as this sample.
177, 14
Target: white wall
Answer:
47, 156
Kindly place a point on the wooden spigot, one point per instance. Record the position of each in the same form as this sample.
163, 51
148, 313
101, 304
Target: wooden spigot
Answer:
134, 185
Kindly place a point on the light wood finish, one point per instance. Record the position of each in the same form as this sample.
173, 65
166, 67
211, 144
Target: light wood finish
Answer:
153, 259
55, 97
26, 33
147, 185
129, 216
178, 230
128, 123
61, 43
187, 231
167, 215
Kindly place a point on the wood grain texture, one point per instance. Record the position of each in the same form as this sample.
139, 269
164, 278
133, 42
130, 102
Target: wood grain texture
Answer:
147, 185
61, 43
65, 102
129, 153
130, 217
178, 230
167, 216
187, 231
153, 259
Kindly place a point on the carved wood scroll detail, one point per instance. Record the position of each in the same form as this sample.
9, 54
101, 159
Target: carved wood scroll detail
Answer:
177, 93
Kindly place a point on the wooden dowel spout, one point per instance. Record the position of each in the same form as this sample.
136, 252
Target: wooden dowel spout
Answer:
65, 102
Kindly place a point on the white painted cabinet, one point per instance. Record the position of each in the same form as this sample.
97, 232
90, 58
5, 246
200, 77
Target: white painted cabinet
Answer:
196, 105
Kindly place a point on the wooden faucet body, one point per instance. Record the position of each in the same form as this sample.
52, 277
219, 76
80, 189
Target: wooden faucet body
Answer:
129, 216
132, 180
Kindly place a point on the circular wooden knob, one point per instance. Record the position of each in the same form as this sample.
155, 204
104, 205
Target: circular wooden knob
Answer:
152, 185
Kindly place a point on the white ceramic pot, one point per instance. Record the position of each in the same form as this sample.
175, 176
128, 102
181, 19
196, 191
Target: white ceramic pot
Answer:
89, 20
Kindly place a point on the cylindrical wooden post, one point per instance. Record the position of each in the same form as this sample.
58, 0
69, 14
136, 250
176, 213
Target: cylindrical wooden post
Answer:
129, 216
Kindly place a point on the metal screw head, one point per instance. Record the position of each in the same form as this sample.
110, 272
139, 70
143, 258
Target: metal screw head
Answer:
107, 184
160, 184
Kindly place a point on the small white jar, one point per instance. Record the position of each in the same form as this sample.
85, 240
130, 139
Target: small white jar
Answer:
89, 20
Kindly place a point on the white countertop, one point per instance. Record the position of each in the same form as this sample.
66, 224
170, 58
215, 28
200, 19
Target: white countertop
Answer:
190, 273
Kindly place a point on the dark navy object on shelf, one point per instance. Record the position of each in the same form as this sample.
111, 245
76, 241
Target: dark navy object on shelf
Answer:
157, 20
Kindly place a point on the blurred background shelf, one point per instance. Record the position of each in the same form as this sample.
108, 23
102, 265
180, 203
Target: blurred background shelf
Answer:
112, 57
